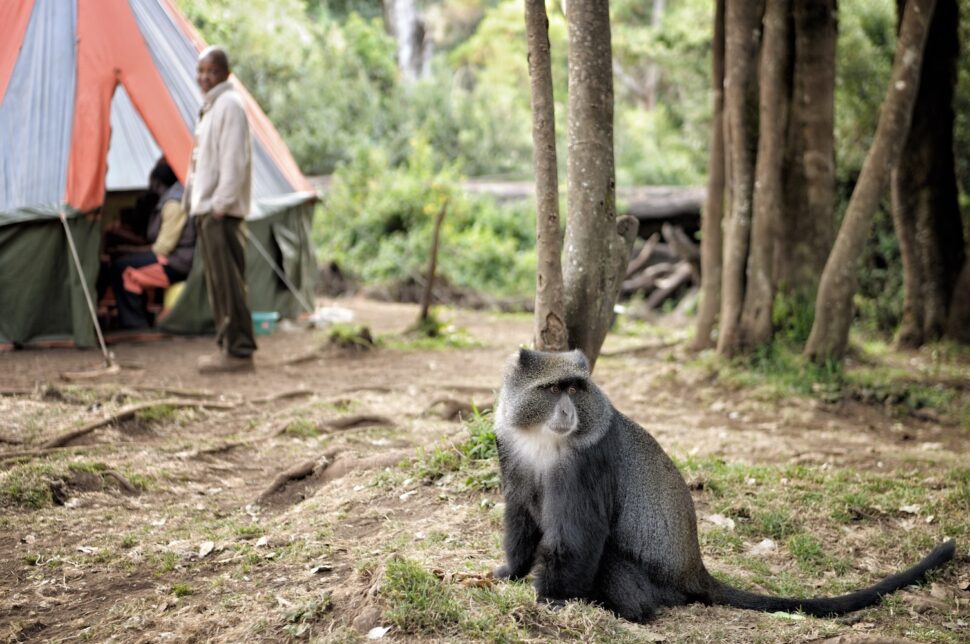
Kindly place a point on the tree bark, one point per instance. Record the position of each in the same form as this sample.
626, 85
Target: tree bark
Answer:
712, 238
807, 224
550, 327
742, 37
833, 306
775, 90
958, 324
597, 245
926, 211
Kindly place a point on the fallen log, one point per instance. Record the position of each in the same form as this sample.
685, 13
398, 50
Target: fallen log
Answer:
642, 259
666, 286
646, 280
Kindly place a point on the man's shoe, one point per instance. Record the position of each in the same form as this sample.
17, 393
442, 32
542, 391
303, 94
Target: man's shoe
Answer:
225, 363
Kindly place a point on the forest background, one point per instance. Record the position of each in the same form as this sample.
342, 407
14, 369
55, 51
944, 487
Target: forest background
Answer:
398, 141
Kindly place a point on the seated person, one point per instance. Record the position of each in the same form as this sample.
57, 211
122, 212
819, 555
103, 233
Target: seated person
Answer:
164, 259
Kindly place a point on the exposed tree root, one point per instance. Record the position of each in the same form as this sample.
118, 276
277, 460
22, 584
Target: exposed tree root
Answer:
124, 483
359, 420
293, 474
456, 410
283, 395
126, 414
643, 348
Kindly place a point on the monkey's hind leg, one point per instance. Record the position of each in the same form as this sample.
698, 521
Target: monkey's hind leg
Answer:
624, 587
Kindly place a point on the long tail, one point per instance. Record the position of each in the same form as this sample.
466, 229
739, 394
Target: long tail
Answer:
826, 606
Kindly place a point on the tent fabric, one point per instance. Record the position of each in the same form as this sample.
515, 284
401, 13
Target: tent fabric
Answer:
36, 111
91, 93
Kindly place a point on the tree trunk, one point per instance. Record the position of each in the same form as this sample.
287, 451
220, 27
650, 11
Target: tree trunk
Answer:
550, 329
711, 235
833, 306
742, 35
958, 324
807, 224
775, 89
926, 212
597, 245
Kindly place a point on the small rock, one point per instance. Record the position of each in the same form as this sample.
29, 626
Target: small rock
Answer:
205, 548
720, 520
763, 547
377, 632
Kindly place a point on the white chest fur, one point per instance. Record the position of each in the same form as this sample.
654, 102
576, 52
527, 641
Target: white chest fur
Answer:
535, 447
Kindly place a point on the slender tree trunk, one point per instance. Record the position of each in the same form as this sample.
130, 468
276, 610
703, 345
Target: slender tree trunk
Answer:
807, 224
597, 245
712, 238
833, 306
926, 212
775, 89
742, 37
550, 329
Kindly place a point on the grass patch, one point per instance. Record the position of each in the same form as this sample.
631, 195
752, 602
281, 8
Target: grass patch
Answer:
299, 620
475, 458
418, 602
157, 414
302, 427
182, 589
28, 486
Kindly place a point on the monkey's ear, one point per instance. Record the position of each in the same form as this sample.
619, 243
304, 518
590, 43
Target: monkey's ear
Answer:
579, 359
528, 360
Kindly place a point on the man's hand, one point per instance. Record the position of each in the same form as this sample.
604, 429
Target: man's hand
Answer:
218, 215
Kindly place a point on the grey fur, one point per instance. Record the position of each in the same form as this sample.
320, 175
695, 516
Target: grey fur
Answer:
596, 506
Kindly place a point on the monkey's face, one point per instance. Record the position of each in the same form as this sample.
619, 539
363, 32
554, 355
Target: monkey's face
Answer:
543, 392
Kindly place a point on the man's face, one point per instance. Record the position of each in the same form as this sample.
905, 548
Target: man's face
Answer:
209, 74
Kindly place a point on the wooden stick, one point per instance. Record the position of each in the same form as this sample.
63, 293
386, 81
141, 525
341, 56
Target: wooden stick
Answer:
643, 257
435, 235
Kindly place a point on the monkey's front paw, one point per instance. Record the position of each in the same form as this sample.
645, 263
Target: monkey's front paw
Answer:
502, 572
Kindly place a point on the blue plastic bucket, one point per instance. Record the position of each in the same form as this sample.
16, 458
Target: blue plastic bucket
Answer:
264, 322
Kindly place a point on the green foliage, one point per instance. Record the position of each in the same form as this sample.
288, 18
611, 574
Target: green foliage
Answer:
378, 221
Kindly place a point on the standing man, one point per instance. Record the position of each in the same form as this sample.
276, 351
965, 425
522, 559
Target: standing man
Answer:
217, 195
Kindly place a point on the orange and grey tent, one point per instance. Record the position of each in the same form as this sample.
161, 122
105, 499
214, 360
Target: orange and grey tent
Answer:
92, 92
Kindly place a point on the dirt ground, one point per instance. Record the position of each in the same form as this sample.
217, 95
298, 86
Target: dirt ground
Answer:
179, 527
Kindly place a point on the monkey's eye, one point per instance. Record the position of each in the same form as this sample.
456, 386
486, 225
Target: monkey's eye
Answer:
572, 390
554, 389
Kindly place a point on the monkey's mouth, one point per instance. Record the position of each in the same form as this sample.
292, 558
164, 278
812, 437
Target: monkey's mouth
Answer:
561, 428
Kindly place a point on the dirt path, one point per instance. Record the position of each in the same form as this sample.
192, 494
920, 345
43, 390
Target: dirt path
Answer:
176, 524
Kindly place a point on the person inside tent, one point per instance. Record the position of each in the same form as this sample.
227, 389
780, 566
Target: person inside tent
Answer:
165, 259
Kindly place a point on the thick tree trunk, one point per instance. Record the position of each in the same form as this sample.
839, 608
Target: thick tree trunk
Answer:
833, 306
712, 238
926, 211
775, 89
742, 37
550, 329
597, 245
807, 224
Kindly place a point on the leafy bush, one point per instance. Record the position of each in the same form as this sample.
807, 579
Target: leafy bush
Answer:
378, 218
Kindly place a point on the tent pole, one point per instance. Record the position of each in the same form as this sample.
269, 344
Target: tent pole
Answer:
279, 272
87, 294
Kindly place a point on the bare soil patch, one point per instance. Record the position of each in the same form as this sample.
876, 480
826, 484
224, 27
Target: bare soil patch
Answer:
268, 505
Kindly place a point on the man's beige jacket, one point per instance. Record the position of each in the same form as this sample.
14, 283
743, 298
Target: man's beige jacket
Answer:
220, 173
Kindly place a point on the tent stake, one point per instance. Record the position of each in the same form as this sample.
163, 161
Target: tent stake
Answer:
108, 362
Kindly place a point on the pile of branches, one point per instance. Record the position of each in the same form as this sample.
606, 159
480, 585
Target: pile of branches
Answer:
664, 267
